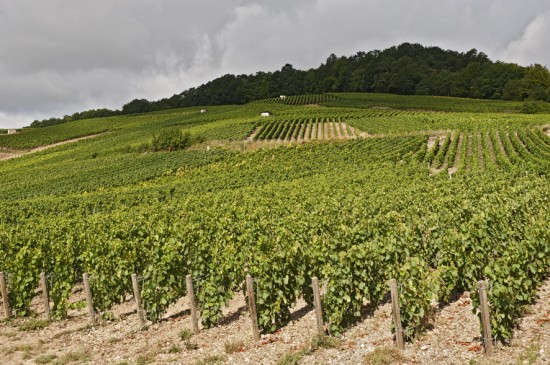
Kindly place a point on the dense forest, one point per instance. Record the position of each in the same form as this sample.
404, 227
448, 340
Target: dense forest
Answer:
407, 69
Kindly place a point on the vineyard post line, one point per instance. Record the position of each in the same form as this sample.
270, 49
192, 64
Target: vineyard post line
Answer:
137, 297
89, 300
399, 341
192, 303
45, 297
252, 307
485, 319
318, 308
4, 292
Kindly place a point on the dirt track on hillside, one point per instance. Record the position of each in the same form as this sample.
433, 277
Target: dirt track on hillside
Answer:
8, 154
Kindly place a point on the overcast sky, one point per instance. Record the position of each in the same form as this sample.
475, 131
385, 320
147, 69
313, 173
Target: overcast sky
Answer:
62, 56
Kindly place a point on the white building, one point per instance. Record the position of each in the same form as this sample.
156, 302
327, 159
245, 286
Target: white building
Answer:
12, 131
266, 114
283, 97
203, 110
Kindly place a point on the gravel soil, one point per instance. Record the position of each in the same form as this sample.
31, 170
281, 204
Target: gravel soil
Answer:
453, 338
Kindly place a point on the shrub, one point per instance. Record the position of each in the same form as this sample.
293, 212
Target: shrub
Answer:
174, 139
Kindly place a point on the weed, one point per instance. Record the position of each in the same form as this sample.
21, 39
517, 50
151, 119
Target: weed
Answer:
323, 341
33, 325
190, 345
69, 357
15, 348
384, 356
234, 346
45, 359
317, 342
211, 360
186, 334
174, 349
530, 355
145, 359
291, 358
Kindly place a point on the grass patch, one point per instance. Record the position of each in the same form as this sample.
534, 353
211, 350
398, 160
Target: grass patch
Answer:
77, 356
145, 359
45, 359
233, 346
317, 342
185, 334
530, 355
211, 360
33, 325
114, 340
322, 341
16, 348
291, 358
174, 349
384, 356
190, 345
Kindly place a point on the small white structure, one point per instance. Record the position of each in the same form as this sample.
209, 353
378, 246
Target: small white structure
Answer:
283, 97
266, 114
204, 110
12, 131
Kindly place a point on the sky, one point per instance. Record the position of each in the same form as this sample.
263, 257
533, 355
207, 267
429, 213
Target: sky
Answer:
58, 57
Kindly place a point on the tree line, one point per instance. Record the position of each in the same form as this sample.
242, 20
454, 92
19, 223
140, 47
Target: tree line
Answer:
407, 69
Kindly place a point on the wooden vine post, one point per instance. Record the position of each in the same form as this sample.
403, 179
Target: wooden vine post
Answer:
252, 307
45, 297
89, 300
4, 292
137, 298
485, 319
396, 313
317, 303
192, 303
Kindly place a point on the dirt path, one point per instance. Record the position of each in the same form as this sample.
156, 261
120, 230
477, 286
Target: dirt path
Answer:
479, 151
454, 164
9, 154
490, 147
253, 135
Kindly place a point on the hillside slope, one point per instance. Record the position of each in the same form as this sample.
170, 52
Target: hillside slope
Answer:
354, 190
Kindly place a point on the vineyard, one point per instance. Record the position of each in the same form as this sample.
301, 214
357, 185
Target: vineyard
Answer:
302, 130
437, 201
309, 99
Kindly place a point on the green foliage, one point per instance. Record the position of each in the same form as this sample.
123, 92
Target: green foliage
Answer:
352, 213
384, 356
531, 107
173, 140
185, 334
33, 325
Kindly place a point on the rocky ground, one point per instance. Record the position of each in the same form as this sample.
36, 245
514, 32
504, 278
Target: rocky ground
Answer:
452, 339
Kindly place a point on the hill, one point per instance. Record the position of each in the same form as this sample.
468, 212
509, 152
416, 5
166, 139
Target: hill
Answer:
351, 188
407, 69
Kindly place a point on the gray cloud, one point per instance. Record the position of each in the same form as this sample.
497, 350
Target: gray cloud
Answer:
62, 56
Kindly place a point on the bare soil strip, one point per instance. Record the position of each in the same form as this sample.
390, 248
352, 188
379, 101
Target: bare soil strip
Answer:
490, 146
456, 162
9, 154
307, 132
253, 135
469, 156
501, 145
453, 337
345, 131
480, 152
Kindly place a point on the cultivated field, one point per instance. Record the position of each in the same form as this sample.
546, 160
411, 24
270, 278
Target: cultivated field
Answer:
353, 189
